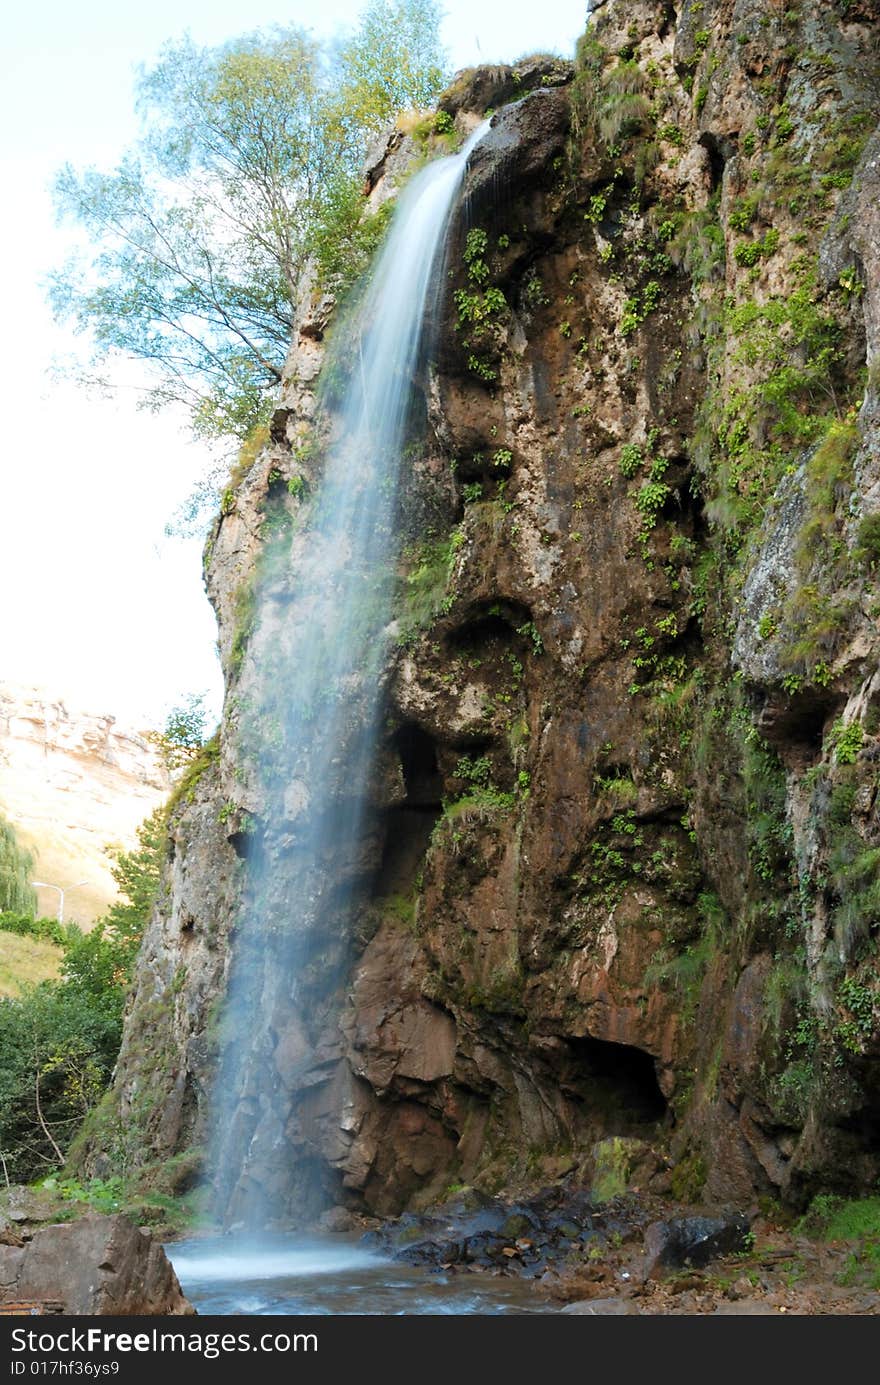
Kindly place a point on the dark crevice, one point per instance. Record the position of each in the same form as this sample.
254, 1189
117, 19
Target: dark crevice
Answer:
668, 20
796, 723
407, 835
719, 149
617, 1080
418, 763
499, 622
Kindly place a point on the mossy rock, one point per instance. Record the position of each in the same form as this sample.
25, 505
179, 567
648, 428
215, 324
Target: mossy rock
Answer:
516, 1225
614, 1161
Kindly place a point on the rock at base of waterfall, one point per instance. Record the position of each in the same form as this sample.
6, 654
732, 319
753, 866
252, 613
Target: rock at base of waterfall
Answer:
98, 1265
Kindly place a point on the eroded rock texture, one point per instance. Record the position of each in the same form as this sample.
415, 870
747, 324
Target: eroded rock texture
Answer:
94, 1266
620, 872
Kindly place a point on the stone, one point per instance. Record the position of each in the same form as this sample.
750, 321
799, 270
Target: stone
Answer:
746, 1307
337, 1219
8, 1234
96, 1265
601, 1308
692, 1241
479, 89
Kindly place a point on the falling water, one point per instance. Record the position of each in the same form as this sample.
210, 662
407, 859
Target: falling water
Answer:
308, 706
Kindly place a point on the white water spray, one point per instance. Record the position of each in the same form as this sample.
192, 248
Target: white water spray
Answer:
309, 703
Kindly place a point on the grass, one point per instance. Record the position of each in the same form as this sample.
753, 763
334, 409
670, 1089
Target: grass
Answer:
26, 961
855, 1221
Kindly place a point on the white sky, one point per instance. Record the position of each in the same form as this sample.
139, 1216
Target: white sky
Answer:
97, 605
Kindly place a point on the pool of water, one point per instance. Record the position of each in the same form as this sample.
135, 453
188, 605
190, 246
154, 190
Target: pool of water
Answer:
333, 1275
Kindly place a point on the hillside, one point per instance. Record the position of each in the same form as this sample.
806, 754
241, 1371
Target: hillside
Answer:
76, 785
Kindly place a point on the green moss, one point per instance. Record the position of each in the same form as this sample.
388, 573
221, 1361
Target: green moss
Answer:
689, 1178
612, 1167
683, 973
423, 593
245, 620
852, 1221
769, 832
502, 994
185, 789
868, 540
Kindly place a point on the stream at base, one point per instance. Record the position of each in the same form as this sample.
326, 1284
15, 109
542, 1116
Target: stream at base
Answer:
332, 1276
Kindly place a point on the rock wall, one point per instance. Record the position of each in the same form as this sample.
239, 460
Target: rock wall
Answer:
620, 876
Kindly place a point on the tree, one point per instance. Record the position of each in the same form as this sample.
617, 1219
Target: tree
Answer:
58, 1053
16, 866
201, 235
138, 874
184, 733
392, 63
59, 1040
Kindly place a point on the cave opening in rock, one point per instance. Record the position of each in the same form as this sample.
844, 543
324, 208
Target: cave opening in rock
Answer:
408, 826
617, 1081
418, 763
719, 150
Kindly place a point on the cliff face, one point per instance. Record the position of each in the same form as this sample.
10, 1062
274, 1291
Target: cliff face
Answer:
620, 876
77, 786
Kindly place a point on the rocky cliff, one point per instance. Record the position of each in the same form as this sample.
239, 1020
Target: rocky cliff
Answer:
620, 875
77, 786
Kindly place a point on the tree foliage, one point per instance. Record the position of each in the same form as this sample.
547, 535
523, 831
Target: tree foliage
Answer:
392, 63
59, 1040
183, 735
249, 156
16, 866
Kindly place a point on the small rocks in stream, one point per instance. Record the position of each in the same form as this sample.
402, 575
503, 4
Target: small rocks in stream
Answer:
474, 1231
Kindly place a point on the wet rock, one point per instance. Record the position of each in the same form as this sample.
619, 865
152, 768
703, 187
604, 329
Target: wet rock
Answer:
485, 1233
337, 1219
692, 1241
519, 145
522, 980
94, 1266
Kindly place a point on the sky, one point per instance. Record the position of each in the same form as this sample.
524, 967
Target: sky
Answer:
98, 604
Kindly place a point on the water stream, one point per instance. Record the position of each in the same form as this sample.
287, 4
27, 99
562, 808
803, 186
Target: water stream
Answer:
333, 1276
311, 695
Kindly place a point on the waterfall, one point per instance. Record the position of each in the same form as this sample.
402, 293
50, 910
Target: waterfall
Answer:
309, 701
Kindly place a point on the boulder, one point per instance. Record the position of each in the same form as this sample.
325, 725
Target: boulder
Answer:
94, 1266
692, 1241
481, 88
519, 146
